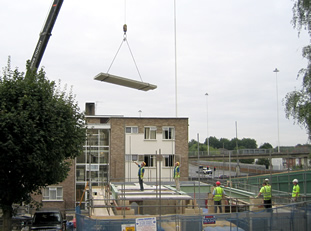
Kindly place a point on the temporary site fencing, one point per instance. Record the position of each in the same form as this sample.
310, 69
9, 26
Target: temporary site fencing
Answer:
292, 217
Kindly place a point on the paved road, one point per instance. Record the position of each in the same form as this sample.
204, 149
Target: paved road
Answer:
193, 172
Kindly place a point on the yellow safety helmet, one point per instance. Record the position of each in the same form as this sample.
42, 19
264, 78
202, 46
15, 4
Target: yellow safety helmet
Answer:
177, 163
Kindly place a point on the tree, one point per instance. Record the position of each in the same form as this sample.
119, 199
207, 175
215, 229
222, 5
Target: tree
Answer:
213, 142
247, 161
41, 128
298, 103
225, 143
193, 146
266, 146
192, 142
249, 143
264, 161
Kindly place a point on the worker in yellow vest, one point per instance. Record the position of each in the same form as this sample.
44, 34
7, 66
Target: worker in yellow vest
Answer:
296, 191
176, 176
141, 172
218, 195
266, 191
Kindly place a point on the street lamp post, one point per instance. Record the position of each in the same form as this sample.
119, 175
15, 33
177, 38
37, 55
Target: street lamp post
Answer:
277, 106
207, 124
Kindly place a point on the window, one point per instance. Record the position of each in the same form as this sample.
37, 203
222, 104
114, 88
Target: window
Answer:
104, 137
134, 157
168, 133
80, 173
92, 137
149, 160
103, 157
131, 130
93, 154
81, 158
94, 167
150, 133
169, 161
103, 173
53, 193
131, 157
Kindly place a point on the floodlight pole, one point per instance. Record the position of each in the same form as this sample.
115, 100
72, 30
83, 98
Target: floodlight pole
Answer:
175, 42
207, 135
277, 106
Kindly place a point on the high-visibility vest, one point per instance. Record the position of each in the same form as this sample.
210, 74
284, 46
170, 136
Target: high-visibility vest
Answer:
176, 172
218, 193
266, 191
296, 190
141, 171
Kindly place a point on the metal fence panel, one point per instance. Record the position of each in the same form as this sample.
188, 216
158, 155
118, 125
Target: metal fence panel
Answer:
287, 218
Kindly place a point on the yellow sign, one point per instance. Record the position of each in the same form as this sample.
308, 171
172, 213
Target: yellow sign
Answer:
130, 227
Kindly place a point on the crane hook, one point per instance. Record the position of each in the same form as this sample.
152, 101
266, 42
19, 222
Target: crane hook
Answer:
124, 30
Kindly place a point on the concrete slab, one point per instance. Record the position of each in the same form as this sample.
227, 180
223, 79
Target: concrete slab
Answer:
105, 77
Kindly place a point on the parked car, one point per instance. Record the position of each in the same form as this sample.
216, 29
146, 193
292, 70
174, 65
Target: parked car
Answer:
48, 220
21, 222
207, 170
200, 169
223, 177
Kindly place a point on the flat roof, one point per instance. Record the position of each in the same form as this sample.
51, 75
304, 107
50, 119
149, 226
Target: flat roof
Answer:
118, 80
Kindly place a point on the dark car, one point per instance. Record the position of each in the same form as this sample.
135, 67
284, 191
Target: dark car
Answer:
223, 177
48, 220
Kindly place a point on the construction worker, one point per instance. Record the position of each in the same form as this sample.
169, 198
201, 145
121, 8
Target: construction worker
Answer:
141, 172
296, 191
218, 195
267, 194
176, 176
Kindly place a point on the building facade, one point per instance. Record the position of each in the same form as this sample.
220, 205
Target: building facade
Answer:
115, 143
60, 196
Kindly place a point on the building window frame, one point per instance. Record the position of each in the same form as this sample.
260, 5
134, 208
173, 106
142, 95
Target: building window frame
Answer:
150, 133
168, 133
52, 193
149, 160
131, 157
131, 129
169, 160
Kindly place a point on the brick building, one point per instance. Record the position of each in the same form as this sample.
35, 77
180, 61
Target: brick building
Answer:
115, 142
62, 195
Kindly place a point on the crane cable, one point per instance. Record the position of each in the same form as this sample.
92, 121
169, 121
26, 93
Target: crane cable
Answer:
128, 45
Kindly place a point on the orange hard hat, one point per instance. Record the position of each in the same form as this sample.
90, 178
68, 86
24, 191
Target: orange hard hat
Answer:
217, 183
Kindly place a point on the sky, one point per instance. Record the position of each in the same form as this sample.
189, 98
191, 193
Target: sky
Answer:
227, 49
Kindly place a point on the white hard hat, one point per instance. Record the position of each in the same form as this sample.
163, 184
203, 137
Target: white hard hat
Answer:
266, 179
295, 180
